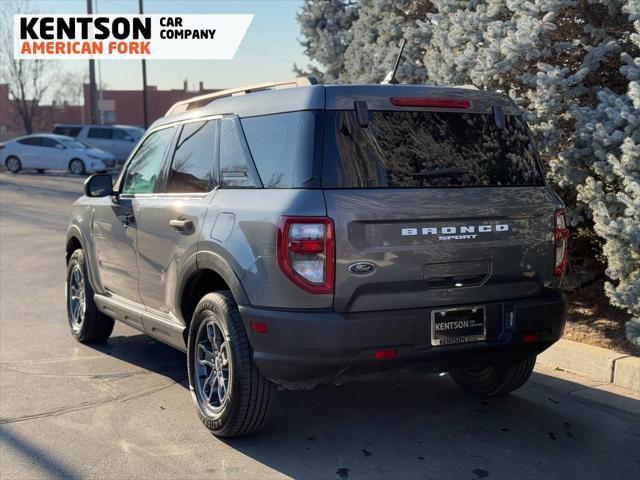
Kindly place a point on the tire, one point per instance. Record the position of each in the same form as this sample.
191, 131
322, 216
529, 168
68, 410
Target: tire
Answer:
243, 406
13, 164
39, 170
76, 166
87, 323
493, 381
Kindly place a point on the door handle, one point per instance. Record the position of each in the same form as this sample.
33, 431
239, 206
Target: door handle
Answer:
181, 224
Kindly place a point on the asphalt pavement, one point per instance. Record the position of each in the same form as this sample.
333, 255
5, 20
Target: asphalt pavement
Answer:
123, 409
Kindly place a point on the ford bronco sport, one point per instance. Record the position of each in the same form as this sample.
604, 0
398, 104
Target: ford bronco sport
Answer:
293, 234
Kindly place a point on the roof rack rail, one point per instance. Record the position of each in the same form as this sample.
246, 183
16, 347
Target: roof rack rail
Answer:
202, 100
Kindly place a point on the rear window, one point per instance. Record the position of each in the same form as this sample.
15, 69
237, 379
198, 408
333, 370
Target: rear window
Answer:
402, 149
283, 147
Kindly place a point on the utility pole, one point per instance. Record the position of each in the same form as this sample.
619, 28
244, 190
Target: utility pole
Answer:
93, 96
144, 81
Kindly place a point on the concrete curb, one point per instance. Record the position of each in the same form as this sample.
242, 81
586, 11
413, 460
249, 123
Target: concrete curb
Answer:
597, 363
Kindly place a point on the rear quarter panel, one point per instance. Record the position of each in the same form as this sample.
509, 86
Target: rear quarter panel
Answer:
241, 227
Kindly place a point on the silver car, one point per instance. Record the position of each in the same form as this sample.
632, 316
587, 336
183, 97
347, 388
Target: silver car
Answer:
296, 234
53, 152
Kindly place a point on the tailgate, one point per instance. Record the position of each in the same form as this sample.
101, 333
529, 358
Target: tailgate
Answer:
434, 247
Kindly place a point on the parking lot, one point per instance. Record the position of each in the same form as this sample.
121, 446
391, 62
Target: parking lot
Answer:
123, 409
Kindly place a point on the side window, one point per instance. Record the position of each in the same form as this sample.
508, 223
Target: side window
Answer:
49, 142
32, 141
192, 165
234, 170
144, 168
122, 135
68, 131
283, 148
101, 133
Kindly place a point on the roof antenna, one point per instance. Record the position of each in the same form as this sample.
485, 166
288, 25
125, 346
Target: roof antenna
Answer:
390, 79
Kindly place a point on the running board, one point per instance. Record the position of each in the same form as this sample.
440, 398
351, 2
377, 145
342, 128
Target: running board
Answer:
157, 326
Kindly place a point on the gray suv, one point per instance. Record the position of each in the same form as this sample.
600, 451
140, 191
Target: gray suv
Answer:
294, 234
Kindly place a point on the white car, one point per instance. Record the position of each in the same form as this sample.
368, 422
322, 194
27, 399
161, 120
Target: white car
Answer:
53, 152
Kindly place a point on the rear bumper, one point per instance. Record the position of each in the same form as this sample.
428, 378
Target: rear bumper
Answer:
306, 348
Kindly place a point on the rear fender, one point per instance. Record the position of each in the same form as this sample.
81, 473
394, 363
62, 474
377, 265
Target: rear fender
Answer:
201, 262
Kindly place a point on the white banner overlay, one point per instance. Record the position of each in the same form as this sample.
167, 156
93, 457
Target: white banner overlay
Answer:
129, 37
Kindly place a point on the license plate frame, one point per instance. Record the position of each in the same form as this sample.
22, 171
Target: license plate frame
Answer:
458, 314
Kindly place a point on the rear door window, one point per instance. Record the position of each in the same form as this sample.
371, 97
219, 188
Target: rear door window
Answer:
404, 149
192, 168
101, 133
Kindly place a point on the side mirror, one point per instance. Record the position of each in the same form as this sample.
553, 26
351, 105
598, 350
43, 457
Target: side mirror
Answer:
60, 146
98, 185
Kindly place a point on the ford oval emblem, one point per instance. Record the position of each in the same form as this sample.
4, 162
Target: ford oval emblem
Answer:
361, 268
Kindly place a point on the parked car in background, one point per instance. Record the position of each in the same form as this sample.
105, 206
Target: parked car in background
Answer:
53, 152
119, 140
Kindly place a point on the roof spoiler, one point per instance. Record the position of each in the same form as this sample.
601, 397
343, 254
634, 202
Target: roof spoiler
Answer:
202, 100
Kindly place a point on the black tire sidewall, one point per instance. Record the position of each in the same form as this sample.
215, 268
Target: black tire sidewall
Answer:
218, 306
498, 380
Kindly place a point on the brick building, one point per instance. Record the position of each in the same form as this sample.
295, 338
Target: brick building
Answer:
114, 106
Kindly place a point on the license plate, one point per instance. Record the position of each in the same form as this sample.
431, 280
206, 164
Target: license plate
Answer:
458, 325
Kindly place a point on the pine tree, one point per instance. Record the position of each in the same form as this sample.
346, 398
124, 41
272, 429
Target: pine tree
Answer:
573, 66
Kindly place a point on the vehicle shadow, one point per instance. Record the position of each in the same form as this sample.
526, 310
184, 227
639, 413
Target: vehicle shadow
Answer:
146, 353
423, 426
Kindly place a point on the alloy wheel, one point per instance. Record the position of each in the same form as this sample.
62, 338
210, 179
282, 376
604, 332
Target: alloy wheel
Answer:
13, 164
212, 366
76, 298
76, 167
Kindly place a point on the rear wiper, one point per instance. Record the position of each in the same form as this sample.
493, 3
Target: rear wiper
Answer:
440, 173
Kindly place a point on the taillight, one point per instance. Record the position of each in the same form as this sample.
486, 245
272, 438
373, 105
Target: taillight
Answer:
560, 243
430, 102
305, 251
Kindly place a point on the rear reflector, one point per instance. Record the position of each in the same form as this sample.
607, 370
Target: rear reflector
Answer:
560, 243
385, 354
530, 338
259, 327
430, 102
306, 247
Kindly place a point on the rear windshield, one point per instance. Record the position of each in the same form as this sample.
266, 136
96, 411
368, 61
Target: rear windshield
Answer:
427, 149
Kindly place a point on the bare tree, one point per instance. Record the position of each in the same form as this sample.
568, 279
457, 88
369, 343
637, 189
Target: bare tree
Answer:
29, 81
70, 88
